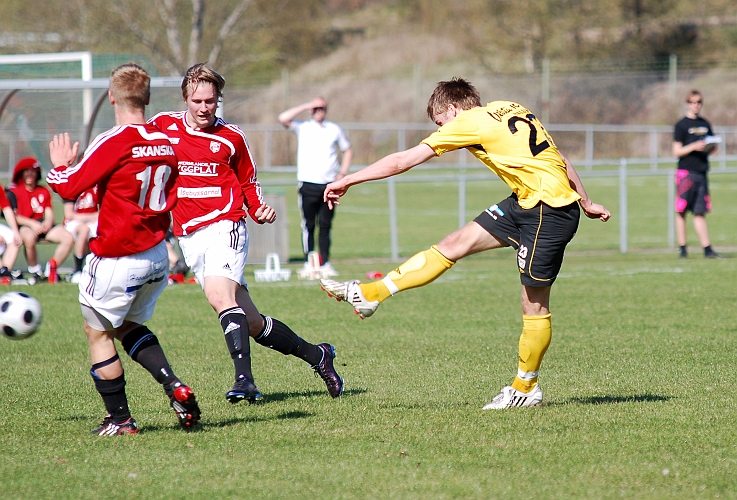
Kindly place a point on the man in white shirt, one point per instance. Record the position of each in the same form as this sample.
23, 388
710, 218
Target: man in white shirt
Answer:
318, 143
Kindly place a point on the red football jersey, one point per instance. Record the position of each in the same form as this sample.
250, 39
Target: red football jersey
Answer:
134, 168
31, 204
87, 202
4, 203
217, 174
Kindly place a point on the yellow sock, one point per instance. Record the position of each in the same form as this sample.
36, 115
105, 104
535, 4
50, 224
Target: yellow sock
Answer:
420, 269
534, 341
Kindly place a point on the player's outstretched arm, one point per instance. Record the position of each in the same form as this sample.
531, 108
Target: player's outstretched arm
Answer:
390, 165
591, 209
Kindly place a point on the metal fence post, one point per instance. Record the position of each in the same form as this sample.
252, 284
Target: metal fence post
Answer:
589, 147
391, 185
671, 208
392, 194
462, 189
653, 150
267, 148
623, 205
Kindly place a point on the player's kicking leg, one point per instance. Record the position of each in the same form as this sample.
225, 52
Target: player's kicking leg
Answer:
421, 269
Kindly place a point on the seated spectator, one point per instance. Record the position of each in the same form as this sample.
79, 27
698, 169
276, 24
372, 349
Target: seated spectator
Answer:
10, 240
80, 219
35, 217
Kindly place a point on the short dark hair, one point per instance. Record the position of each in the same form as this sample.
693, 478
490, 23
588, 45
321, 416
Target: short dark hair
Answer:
456, 91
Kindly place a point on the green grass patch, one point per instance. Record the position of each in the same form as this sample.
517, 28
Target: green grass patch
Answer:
638, 389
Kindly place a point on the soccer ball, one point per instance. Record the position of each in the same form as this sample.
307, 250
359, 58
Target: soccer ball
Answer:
20, 315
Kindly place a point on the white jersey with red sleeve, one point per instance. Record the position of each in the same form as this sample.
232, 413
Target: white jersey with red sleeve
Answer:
217, 174
135, 170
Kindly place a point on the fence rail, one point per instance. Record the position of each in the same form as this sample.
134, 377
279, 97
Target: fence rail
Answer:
656, 136
623, 173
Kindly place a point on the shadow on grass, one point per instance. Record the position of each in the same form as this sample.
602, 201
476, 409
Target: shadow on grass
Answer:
606, 400
206, 424
275, 397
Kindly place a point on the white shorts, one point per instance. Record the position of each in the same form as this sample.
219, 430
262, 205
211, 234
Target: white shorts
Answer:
219, 249
72, 226
113, 290
7, 235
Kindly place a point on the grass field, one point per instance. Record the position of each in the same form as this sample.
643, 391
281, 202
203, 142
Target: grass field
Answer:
639, 392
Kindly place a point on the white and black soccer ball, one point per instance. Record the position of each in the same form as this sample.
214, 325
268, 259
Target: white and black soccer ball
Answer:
20, 315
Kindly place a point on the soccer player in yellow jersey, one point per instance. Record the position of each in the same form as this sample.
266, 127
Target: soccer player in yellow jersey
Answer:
538, 219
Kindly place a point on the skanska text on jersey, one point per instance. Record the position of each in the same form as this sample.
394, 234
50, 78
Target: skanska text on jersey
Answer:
145, 151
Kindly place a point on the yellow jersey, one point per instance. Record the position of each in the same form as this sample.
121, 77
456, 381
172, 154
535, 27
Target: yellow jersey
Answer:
508, 139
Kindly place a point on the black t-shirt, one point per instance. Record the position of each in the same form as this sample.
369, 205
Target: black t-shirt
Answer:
690, 130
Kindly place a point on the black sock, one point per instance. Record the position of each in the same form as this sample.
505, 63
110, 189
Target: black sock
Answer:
113, 395
683, 250
143, 348
235, 327
78, 263
279, 337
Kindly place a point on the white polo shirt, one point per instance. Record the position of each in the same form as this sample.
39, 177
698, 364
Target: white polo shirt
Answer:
317, 150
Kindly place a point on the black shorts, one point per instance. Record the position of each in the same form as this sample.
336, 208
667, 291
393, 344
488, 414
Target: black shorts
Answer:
540, 235
42, 236
693, 192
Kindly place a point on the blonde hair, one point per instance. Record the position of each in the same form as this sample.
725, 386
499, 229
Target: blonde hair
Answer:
130, 86
202, 73
456, 91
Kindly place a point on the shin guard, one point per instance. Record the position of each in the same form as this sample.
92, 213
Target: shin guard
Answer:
235, 328
533, 343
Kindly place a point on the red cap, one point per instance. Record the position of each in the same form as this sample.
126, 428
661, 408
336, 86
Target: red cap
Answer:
27, 163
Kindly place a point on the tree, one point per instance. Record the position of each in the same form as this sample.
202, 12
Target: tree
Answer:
183, 24
177, 33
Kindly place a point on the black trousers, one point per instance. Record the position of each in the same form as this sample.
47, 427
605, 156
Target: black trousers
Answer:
315, 213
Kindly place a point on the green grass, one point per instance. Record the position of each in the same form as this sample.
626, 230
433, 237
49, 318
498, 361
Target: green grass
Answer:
639, 391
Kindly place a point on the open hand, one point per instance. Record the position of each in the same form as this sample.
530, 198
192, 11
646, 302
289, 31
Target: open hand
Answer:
62, 151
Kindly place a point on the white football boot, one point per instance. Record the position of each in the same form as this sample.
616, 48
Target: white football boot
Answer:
350, 292
511, 398
328, 271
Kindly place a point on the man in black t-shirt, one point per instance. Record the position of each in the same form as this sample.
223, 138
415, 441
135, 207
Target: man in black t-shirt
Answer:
692, 147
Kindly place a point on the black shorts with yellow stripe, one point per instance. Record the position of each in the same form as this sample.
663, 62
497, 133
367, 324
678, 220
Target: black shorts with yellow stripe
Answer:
540, 235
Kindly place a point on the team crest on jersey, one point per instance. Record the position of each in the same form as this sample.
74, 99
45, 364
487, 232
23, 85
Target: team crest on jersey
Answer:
214, 146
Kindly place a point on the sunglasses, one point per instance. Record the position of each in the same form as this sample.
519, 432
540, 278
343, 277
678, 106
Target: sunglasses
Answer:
695, 102
315, 110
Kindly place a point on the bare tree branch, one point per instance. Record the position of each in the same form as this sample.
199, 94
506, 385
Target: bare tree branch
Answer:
152, 44
225, 30
195, 35
169, 18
